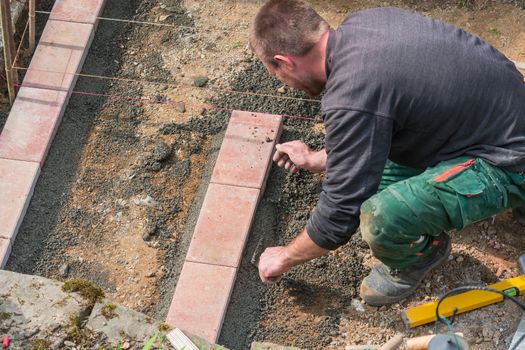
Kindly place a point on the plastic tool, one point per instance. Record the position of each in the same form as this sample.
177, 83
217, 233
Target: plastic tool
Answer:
468, 301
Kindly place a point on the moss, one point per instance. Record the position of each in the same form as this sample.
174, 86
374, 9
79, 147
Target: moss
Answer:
40, 344
108, 311
86, 289
164, 327
4, 316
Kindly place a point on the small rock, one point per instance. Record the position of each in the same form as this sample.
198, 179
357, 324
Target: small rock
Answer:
460, 259
268, 139
200, 81
281, 90
125, 345
487, 334
162, 151
151, 228
69, 343
64, 270
164, 17
357, 305
156, 166
147, 201
151, 274
180, 107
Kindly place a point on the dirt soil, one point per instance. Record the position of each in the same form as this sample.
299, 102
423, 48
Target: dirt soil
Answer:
119, 193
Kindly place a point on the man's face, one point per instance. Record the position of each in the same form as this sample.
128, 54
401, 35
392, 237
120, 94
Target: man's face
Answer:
295, 78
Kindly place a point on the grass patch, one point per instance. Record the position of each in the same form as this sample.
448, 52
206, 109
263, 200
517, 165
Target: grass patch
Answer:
86, 289
4, 316
108, 311
40, 344
164, 327
494, 31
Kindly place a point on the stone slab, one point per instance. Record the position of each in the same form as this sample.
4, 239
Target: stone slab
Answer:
223, 225
201, 298
246, 152
84, 11
35, 307
122, 322
17, 182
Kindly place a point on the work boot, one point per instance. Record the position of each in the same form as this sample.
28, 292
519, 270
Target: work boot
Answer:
519, 214
384, 286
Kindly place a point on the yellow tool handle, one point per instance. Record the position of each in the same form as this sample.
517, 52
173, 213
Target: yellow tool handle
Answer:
463, 302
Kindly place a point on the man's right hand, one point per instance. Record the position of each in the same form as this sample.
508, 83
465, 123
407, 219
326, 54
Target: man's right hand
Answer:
296, 155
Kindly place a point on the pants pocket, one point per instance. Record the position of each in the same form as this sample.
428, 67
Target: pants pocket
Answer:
472, 193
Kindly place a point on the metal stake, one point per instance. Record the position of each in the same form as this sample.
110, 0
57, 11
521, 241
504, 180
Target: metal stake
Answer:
32, 27
9, 46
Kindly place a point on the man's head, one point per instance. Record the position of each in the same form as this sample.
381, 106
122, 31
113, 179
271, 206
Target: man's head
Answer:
285, 32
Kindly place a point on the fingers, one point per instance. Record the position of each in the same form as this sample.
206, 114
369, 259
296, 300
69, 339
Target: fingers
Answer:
269, 280
283, 160
278, 154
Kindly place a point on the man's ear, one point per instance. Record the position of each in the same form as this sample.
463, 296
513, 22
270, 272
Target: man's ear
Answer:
285, 60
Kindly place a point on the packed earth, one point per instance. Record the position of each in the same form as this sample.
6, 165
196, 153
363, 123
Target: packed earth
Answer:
118, 197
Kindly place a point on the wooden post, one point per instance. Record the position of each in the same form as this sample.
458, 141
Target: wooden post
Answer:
9, 47
32, 26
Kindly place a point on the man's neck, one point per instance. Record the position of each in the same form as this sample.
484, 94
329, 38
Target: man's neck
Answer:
315, 60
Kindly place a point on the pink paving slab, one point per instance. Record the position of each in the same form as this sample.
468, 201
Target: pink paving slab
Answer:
223, 225
5, 250
247, 149
84, 11
58, 57
17, 181
37, 111
200, 299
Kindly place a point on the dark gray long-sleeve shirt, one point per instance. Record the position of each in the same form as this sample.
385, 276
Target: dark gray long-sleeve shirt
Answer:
414, 90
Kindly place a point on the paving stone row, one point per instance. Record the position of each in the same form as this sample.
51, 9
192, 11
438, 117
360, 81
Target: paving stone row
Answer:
38, 108
237, 183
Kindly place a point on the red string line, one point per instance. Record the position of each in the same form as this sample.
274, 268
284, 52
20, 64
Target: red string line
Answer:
138, 22
105, 77
154, 101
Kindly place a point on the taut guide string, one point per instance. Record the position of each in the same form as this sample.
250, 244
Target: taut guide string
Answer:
148, 100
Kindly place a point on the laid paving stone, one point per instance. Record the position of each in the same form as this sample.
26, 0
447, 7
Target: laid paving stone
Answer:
200, 300
85, 11
223, 225
35, 307
120, 324
17, 182
245, 155
5, 250
42, 99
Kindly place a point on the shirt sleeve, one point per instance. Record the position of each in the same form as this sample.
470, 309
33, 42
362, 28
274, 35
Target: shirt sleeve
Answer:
357, 147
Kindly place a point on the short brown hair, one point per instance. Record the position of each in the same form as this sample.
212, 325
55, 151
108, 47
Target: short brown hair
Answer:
285, 27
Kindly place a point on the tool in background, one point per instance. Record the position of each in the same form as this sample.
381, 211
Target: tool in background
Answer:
437, 342
180, 341
517, 342
472, 298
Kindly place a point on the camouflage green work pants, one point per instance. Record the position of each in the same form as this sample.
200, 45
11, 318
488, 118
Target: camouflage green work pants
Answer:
400, 223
